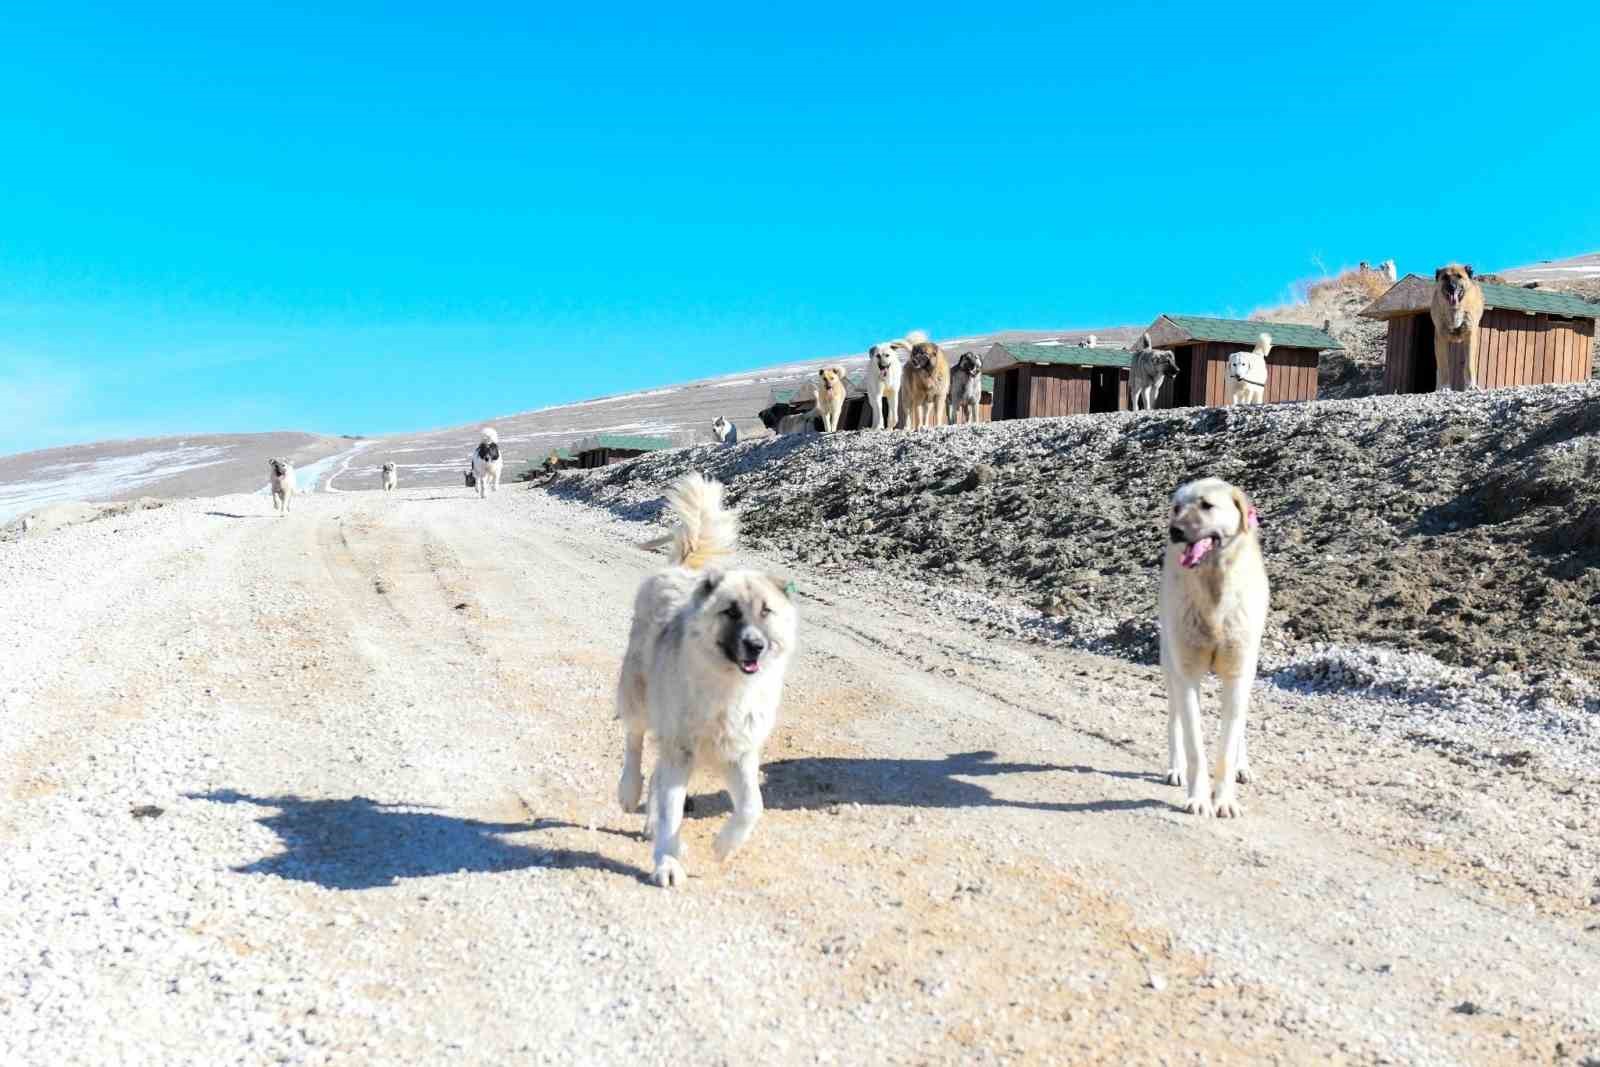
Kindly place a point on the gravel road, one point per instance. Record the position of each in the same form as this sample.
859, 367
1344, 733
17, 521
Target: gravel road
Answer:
336, 789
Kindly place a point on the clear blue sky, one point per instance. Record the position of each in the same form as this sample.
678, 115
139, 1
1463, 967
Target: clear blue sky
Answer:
227, 217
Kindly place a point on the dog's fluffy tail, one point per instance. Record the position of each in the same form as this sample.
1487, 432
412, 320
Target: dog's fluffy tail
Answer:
488, 435
706, 530
916, 337
1264, 343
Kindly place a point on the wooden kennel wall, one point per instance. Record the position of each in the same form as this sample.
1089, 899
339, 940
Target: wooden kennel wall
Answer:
1033, 381
1202, 347
609, 448
1526, 337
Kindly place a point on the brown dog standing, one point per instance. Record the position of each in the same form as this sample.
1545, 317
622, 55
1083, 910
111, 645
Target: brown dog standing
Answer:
1457, 308
927, 385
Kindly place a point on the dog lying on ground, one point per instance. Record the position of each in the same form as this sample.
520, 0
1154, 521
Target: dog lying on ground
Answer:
1247, 373
1456, 308
782, 418
1149, 369
966, 389
1213, 600
724, 431
280, 476
885, 374
830, 391
390, 477
486, 462
927, 385
703, 675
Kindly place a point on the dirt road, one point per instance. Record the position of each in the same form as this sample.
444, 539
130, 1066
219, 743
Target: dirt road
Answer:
338, 788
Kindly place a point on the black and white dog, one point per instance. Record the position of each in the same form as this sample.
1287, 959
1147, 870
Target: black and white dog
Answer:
486, 462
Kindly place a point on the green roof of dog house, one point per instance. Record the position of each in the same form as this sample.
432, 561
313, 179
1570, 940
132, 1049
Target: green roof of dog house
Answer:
1413, 294
625, 443
1004, 355
1169, 330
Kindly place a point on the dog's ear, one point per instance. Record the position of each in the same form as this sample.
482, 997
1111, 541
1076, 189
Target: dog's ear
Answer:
708, 584
1247, 510
1468, 269
784, 585
1438, 275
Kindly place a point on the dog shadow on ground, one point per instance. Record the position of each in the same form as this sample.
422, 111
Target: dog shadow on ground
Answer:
234, 515
824, 781
357, 843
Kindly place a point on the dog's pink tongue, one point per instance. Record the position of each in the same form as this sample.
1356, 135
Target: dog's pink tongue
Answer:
1196, 552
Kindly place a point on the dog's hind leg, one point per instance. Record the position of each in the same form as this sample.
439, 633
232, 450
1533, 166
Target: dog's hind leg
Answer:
1235, 703
630, 787
670, 786
744, 786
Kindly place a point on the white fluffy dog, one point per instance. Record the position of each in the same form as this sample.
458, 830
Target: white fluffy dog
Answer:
703, 674
486, 462
1247, 373
280, 476
390, 477
1214, 598
724, 431
886, 366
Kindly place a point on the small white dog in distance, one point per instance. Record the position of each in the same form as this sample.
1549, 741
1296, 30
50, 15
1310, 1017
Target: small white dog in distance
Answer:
486, 462
390, 477
724, 431
886, 364
1247, 373
280, 476
703, 675
1214, 598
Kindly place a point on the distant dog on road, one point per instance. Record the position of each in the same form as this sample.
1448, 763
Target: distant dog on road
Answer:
703, 674
280, 476
1149, 369
886, 364
927, 385
1213, 600
966, 389
1247, 373
486, 462
830, 388
1457, 308
390, 477
724, 431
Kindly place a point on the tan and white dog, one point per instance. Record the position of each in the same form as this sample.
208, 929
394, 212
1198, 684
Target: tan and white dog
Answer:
391, 477
486, 462
1456, 309
830, 388
886, 364
927, 385
1247, 373
703, 675
280, 476
1214, 597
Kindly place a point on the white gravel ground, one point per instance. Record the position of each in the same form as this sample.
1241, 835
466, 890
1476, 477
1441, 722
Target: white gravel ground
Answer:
336, 789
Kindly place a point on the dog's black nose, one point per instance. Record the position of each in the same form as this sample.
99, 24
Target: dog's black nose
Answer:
1176, 536
752, 644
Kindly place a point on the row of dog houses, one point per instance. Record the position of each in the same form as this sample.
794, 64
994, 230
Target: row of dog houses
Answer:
1527, 337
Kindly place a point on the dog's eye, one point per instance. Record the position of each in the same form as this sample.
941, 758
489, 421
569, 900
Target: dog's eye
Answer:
766, 609
732, 611
1205, 505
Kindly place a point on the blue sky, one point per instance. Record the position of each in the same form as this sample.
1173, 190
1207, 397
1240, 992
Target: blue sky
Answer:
230, 218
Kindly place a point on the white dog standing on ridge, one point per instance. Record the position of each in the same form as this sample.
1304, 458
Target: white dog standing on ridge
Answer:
830, 389
724, 431
390, 477
280, 476
1214, 598
886, 365
1247, 373
486, 461
703, 675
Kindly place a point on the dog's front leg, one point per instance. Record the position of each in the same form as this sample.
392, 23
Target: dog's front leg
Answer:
1199, 801
630, 787
1441, 361
744, 786
671, 787
1472, 358
1175, 756
1235, 702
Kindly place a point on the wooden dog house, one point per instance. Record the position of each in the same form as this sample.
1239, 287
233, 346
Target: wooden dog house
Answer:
1037, 380
1526, 337
1202, 347
609, 448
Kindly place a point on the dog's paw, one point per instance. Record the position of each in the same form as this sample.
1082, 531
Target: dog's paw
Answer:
670, 874
730, 839
1200, 806
1175, 777
1227, 808
630, 791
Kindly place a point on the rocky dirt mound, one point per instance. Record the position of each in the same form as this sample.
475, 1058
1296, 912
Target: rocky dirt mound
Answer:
1466, 527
